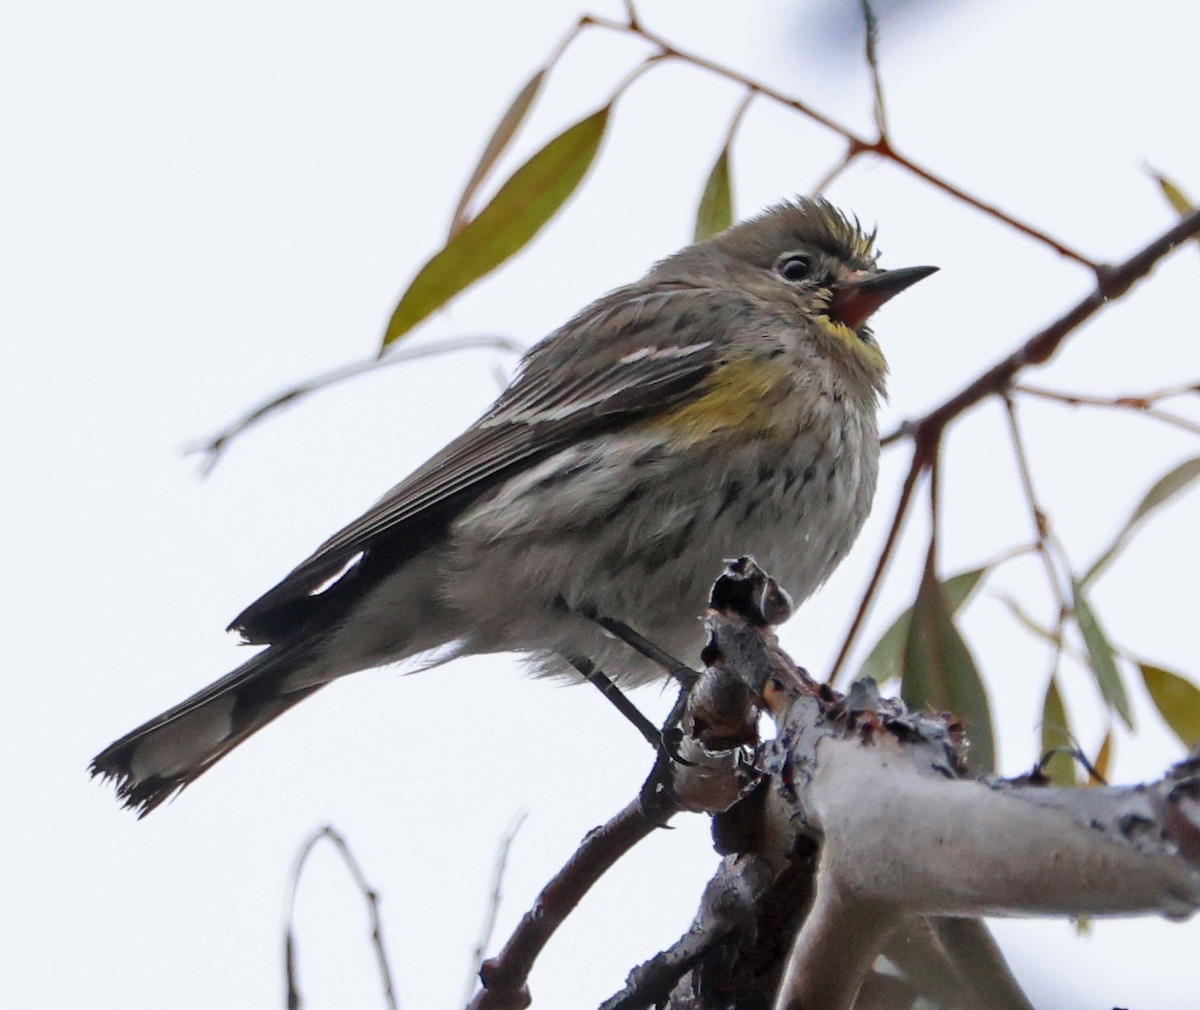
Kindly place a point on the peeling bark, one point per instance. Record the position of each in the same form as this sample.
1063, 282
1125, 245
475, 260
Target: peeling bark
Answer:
858, 855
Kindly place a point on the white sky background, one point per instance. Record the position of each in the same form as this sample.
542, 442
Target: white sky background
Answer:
206, 202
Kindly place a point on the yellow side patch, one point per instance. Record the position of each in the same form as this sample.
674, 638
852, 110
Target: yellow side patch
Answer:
741, 396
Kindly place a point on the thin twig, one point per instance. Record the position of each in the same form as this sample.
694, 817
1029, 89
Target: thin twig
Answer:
828, 178
871, 46
885, 555
214, 447
1114, 282
1041, 523
934, 509
493, 906
372, 902
898, 434
881, 146
991, 210
1141, 404
1024, 619
1135, 401
504, 976
927, 431
736, 122
623, 85
1008, 554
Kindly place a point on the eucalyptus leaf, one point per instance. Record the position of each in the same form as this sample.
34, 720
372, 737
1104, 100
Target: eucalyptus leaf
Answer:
1103, 760
514, 216
939, 672
1168, 485
1175, 196
1177, 700
497, 144
885, 661
1100, 657
715, 212
1056, 733
1163, 490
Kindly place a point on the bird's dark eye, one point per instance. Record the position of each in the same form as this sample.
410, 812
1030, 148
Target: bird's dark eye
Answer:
794, 268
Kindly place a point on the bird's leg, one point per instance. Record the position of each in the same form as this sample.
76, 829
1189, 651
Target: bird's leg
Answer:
665, 741
684, 675
615, 695
656, 799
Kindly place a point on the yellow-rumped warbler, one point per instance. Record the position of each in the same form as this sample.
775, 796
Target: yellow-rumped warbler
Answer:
723, 405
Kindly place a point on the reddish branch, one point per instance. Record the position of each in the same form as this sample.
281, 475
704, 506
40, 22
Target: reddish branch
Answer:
370, 899
926, 432
505, 975
857, 145
856, 832
1142, 403
1113, 283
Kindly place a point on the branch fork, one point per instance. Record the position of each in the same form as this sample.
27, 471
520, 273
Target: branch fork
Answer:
857, 833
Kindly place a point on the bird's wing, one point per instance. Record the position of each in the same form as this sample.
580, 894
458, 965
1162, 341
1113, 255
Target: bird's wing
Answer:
630, 354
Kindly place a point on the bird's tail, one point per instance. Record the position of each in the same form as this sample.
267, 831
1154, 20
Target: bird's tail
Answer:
168, 752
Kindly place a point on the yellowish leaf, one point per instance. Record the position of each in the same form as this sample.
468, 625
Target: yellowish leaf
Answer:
1103, 760
497, 144
1177, 700
514, 216
1056, 736
715, 212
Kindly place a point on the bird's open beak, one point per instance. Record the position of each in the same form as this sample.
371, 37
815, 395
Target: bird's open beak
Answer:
855, 301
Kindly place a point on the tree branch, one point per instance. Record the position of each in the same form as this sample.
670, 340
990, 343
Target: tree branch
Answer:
504, 977
370, 898
854, 831
214, 448
881, 146
927, 431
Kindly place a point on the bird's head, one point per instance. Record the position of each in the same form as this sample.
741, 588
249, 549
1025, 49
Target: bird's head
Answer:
818, 267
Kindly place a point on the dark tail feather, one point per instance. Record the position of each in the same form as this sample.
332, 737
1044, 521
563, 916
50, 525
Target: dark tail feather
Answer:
169, 752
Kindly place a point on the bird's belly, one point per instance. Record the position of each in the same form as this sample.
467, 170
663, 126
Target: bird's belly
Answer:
639, 533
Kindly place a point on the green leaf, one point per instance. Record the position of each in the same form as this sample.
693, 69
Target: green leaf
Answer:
1056, 733
1168, 485
1177, 700
886, 660
1175, 196
1164, 489
1100, 657
497, 144
939, 672
515, 214
715, 212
